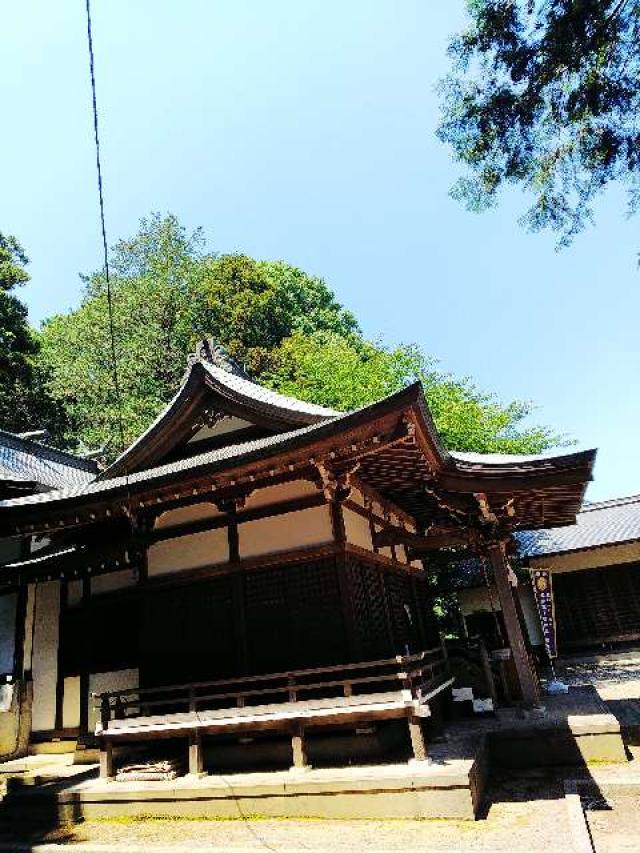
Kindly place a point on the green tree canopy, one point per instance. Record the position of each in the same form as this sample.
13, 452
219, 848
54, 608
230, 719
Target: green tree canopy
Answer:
349, 373
545, 94
167, 293
286, 326
158, 313
24, 404
255, 305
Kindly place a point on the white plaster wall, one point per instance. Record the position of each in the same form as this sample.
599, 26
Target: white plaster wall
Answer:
45, 655
609, 555
28, 628
357, 497
39, 542
357, 529
477, 600
71, 702
74, 593
185, 514
223, 427
106, 682
530, 613
386, 550
304, 528
281, 492
10, 550
112, 581
188, 552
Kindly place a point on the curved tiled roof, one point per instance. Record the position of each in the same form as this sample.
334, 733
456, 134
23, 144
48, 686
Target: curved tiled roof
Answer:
265, 396
227, 388
610, 522
211, 459
23, 459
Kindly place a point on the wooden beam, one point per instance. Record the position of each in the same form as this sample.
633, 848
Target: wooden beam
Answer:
298, 747
417, 542
196, 762
416, 734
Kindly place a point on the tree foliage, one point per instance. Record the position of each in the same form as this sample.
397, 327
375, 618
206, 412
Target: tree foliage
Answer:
255, 305
158, 313
347, 373
286, 326
24, 404
167, 293
545, 94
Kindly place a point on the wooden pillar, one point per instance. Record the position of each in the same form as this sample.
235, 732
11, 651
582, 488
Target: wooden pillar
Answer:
487, 671
298, 748
20, 629
106, 759
85, 670
64, 596
526, 677
196, 763
418, 744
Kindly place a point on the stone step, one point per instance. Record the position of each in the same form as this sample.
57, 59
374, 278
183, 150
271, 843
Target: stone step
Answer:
52, 747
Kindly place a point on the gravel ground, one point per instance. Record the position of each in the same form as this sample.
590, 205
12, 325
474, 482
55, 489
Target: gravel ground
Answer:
614, 824
617, 673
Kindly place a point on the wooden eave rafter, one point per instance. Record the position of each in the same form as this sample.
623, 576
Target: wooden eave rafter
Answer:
391, 446
337, 445
420, 544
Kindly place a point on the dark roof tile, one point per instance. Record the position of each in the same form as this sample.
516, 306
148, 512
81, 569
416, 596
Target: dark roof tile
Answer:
610, 522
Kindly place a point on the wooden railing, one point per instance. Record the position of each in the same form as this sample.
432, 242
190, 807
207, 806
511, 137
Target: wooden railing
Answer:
418, 674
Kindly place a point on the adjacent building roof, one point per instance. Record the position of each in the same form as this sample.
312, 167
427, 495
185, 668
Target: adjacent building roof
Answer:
31, 465
610, 522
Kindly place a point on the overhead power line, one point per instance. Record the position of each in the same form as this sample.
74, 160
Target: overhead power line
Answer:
114, 359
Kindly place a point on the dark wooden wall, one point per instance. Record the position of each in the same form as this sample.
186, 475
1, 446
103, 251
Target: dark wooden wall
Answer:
597, 605
318, 612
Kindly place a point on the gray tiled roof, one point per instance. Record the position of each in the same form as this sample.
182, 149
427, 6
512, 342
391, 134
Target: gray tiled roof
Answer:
605, 523
220, 455
247, 388
22, 459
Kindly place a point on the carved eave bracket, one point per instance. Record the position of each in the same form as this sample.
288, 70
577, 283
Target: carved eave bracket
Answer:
335, 484
232, 504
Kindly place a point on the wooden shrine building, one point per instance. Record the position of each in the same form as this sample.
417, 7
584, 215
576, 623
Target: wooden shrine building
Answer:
251, 551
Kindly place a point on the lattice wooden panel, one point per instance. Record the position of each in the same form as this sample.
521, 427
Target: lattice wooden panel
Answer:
597, 604
294, 617
265, 589
402, 611
187, 634
368, 601
317, 625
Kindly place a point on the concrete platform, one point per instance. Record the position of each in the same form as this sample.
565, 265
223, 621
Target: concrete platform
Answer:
445, 787
575, 729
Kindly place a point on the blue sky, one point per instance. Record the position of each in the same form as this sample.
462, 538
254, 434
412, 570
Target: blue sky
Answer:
306, 131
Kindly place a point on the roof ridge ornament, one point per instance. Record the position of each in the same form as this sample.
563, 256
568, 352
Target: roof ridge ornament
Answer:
214, 353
